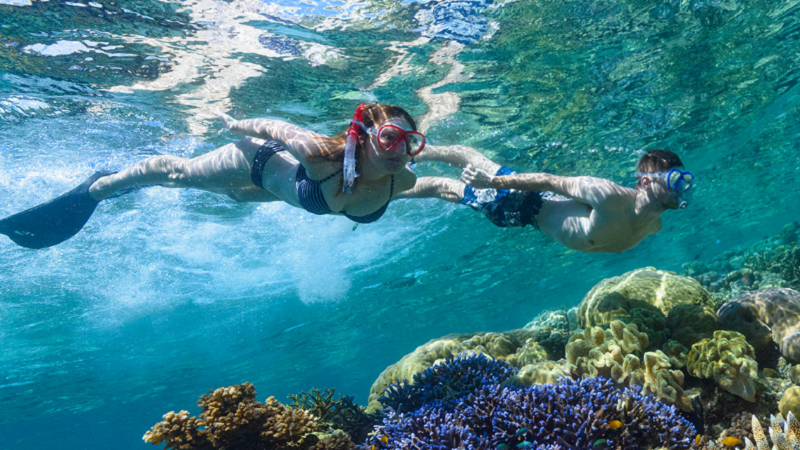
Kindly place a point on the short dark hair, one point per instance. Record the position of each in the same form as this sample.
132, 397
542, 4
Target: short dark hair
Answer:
656, 161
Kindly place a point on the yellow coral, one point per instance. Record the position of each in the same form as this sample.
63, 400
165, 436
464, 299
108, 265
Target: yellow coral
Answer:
541, 372
618, 354
729, 360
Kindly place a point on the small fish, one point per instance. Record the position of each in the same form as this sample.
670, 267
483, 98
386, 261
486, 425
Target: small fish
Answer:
615, 424
373, 447
502, 447
599, 442
384, 439
523, 444
730, 441
698, 440
521, 431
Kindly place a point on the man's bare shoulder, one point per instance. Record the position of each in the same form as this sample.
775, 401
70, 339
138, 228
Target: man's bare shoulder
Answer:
601, 191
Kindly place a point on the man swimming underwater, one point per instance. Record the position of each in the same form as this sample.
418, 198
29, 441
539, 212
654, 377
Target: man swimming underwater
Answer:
592, 215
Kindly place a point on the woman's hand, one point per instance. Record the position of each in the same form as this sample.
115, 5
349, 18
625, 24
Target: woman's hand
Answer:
477, 178
226, 120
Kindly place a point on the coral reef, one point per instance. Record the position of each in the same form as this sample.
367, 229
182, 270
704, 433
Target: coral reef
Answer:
790, 401
650, 322
783, 438
729, 360
618, 354
336, 414
691, 323
447, 382
571, 414
231, 418
764, 315
495, 345
645, 288
542, 372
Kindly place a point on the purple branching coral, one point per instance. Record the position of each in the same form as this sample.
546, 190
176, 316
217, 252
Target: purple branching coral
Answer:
582, 415
447, 382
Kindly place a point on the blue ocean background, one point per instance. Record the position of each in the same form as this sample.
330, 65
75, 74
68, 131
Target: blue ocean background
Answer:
169, 293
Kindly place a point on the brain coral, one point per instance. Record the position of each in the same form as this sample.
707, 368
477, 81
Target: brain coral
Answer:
729, 360
645, 288
618, 354
510, 345
770, 312
567, 415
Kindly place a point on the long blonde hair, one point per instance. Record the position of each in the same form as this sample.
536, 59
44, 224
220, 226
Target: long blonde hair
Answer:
332, 148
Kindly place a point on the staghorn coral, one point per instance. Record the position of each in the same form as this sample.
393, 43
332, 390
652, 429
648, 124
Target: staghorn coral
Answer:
231, 418
339, 414
542, 372
645, 288
729, 360
570, 414
495, 345
767, 313
783, 438
618, 354
447, 382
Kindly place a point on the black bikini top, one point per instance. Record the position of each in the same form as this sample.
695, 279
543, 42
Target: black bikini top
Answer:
309, 194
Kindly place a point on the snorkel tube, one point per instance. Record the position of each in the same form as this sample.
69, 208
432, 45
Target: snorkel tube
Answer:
349, 169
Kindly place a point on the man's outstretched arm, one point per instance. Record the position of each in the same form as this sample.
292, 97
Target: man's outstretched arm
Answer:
589, 190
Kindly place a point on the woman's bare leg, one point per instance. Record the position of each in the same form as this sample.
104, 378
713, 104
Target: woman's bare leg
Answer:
223, 170
435, 187
458, 155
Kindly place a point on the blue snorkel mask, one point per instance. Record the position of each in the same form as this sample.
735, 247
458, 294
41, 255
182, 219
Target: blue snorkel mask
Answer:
677, 180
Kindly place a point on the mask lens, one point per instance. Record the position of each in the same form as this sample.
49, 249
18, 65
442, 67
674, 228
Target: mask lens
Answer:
680, 181
415, 142
387, 136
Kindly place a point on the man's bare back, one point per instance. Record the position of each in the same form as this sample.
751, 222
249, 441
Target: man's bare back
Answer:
588, 214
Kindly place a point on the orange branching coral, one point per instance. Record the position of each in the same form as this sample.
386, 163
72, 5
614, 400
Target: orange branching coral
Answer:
179, 432
232, 419
287, 424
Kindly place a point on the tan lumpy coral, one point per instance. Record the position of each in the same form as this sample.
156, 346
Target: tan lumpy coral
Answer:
790, 402
516, 347
541, 372
618, 353
767, 312
179, 432
645, 288
729, 360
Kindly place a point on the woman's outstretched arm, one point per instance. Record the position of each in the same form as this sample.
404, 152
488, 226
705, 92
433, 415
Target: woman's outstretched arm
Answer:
435, 187
457, 155
295, 139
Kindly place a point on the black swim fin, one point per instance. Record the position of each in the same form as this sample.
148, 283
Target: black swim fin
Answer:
55, 221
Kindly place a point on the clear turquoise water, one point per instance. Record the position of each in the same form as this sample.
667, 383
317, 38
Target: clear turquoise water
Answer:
166, 293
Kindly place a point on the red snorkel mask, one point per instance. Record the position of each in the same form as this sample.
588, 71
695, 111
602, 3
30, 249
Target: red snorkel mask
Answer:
389, 138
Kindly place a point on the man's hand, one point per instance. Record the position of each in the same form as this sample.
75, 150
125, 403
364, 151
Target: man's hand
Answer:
477, 178
226, 120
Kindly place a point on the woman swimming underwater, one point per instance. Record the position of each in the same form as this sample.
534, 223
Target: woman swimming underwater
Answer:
280, 162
